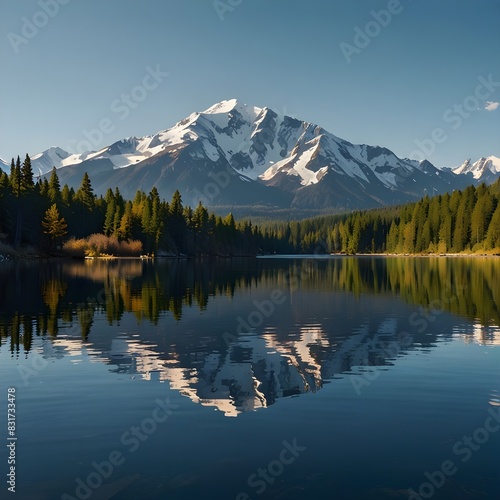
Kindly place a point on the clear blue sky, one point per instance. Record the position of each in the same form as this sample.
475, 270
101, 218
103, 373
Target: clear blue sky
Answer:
285, 54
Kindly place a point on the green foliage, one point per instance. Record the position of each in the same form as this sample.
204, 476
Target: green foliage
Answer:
54, 190
148, 221
53, 224
85, 193
462, 221
27, 185
15, 176
467, 221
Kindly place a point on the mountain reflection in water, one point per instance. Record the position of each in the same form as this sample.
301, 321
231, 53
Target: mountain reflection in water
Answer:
180, 321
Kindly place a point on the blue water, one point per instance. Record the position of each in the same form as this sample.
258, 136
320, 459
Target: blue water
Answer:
272, 378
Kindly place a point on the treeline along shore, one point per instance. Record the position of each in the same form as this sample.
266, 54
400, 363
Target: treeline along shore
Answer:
43, 218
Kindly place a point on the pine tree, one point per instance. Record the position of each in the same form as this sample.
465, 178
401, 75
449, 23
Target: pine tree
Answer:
117, 219
85, 193
4, 180
125, 229
335, 239
433, 217
118, 197
109, 195
53, 224
109, 219
177, 223
66, 195
344, 236
156, 217
27, 184
85, 207
408, 237
200, 225
15, 177
147, 224
200, 218
12, 176
461, 233
481, 215
425, 238
119, 210
493, 234
54, 191
188, 216
419, 218
393, 237
355, 236
44, 188
15, 181
445, 231
176, 208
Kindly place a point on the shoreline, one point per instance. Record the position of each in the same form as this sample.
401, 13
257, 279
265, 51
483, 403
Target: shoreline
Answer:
425, 255
412, 255
34, 257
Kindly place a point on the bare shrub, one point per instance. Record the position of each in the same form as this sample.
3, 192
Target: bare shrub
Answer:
75, 247
132, 248
99, 244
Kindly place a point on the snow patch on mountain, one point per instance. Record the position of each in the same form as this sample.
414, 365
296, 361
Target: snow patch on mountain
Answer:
300, 167
266, 148
481, 168
318, 151
42, 163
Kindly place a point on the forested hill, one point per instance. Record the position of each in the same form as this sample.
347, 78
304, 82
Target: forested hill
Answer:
50, 218
463, 221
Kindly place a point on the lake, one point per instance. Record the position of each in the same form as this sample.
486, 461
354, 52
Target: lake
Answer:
283, 378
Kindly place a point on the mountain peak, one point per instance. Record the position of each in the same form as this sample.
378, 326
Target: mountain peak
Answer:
226, 106
233, 153
50, 152
482, 169
494, 159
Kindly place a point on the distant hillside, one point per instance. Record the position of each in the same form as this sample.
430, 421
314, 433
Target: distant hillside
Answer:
465, 221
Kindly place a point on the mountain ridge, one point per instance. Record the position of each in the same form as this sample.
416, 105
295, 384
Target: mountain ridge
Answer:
233, 154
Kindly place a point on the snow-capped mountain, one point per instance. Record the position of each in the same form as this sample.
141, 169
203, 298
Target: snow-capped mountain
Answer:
230, 130
483, 170
42, 163
235, 155
52, 157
